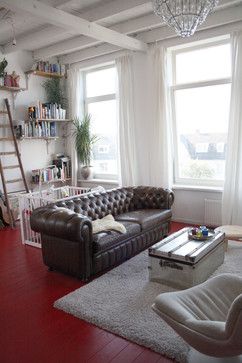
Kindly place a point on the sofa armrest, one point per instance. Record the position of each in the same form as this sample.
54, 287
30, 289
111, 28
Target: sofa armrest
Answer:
66, 240
62, 223
170, 197
152, 197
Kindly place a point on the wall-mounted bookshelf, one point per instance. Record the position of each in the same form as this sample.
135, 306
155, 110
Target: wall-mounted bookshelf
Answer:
51, 120
39, 138
52, 181
52, 173
45, 74
12, 89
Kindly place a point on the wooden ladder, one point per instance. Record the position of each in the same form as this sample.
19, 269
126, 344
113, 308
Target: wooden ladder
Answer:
18, 164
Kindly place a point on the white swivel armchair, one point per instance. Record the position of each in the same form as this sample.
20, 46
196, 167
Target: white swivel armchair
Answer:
208, 317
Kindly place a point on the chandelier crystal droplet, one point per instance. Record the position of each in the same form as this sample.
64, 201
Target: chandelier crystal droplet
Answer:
184, 15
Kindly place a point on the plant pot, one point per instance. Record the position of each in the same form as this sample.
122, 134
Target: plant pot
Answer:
86, 172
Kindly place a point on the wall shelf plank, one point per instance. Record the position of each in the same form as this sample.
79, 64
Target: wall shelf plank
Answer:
12, 89
45, 74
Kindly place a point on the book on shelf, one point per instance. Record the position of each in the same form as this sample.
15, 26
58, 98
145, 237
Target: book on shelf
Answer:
63, 163
45, 175
40, 129
46, 111
47, 67
60, 170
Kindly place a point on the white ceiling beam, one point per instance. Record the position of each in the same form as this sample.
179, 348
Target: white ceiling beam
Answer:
99, 14
106, 58
139, 24
74, 24
102, 12
71, 45
105, 49
76, 3
221, 17
99, 50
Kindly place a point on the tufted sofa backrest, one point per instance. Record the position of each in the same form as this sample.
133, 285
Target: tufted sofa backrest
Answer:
98, 205
151, 197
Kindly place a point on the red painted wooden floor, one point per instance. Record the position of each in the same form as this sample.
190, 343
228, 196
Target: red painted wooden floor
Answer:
32, 331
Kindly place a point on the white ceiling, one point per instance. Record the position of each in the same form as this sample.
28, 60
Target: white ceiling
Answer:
47, 36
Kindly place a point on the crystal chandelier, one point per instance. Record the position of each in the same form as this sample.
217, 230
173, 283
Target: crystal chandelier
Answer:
184, 15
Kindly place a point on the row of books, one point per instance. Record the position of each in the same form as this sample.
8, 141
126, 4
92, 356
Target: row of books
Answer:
40, 129
49, 174
44, 175
50, 67
46, 111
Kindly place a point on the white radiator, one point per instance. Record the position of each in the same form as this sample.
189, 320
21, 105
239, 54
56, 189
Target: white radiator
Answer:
212, 212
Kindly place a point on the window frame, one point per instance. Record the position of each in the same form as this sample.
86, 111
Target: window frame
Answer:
88, 100
198, 84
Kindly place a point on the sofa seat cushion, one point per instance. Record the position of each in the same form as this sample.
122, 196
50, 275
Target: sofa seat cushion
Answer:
105, 240
146, 218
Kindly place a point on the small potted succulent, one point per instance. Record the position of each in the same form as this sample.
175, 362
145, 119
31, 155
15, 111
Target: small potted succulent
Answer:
84, 141
3, 65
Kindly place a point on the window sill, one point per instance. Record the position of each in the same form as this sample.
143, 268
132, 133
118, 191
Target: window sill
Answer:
198, 188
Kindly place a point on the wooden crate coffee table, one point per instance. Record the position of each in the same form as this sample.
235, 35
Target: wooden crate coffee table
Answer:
182, 262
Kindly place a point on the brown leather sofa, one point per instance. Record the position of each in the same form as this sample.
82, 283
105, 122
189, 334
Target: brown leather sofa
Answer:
68, 244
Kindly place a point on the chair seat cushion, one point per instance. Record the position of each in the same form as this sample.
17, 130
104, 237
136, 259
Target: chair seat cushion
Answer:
146, 218
230, 231
203, 308
105, 240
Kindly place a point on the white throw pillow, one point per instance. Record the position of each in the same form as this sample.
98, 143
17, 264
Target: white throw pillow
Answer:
106, 224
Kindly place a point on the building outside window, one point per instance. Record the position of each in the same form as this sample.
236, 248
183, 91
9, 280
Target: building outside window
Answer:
101, 104
200, 95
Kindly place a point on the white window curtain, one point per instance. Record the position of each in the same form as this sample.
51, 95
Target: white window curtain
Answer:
161, 156
232, 194
126, 120
76, 109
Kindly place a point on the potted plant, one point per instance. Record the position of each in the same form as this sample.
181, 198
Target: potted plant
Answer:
84, 141
54, 91
3, 65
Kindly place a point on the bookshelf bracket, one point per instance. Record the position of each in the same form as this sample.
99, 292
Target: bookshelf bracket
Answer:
47, 146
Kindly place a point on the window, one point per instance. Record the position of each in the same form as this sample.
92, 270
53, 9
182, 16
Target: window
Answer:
200, 94
100, 102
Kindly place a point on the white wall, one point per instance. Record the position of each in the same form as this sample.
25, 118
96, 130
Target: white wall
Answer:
189, 205
34, 153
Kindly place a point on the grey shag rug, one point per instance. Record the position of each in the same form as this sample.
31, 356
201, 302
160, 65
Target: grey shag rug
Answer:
120, 302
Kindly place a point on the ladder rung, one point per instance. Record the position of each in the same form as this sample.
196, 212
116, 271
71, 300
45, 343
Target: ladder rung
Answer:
11, 167
13, 180
6, 139
6, 126
7, 153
